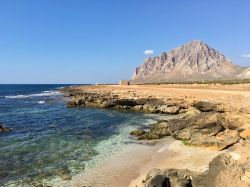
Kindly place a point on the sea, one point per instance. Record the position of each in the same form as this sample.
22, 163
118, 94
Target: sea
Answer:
49, 142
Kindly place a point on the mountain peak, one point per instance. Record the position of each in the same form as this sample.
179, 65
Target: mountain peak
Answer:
196, 42
192, 61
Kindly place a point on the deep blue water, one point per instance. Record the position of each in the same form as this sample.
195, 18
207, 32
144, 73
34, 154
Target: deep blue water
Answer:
49, 140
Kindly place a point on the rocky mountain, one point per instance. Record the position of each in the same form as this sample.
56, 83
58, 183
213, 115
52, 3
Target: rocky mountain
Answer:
190, 62
244, 74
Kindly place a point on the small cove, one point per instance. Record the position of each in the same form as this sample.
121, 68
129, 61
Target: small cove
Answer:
51, 143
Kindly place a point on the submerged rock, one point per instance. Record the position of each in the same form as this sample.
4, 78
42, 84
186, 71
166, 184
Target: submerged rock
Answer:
4, 129
76, 102
63, 173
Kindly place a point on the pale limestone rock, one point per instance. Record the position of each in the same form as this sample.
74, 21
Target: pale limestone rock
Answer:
192, 61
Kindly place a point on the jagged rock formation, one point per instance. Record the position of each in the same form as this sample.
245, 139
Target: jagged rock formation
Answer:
190, 62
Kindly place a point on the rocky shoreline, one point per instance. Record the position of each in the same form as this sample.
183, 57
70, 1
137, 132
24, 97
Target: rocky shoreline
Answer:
203, 123
109, 100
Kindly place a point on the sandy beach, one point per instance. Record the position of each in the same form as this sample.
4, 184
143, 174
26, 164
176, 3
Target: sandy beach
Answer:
129, 168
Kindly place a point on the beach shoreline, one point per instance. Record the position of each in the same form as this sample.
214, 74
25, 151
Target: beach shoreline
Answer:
131, 167
225, 107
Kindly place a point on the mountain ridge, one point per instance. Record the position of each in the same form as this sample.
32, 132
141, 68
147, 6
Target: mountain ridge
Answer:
192, 61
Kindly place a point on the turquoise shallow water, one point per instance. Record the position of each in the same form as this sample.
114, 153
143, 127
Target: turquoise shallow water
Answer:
50, 141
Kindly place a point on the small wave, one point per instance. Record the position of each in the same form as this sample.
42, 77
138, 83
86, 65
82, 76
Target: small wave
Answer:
16, 96
61, 87
41, 102
43, 94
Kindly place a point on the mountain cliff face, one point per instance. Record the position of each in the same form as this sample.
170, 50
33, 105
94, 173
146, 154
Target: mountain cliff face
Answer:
190, 62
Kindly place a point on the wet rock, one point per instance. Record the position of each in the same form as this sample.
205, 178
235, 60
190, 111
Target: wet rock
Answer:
3, 128
80, 102
76, 102
71, 103
157, 131
137, 132
205, 106
150, 136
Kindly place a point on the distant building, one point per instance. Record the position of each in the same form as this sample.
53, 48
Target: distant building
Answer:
123, 83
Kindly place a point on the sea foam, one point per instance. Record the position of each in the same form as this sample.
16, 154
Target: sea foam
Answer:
43, 94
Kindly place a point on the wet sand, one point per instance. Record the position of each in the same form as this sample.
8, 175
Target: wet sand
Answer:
129, 167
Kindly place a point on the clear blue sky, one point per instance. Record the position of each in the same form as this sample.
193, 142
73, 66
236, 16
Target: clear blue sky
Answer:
88, 41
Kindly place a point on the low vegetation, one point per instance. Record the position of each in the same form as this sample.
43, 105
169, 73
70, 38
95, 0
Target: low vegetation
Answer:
210, 82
